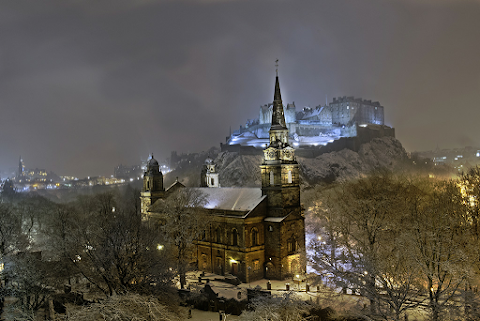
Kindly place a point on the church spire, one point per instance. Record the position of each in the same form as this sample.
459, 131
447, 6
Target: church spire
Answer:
278, 117
278, 131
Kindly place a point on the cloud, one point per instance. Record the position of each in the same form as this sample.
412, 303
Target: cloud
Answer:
86, 85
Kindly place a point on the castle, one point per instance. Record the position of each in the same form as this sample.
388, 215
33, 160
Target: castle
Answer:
255, 233
312, 127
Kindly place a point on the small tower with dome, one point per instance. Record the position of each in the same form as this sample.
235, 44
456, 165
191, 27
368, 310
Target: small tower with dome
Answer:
209, 176
152, 189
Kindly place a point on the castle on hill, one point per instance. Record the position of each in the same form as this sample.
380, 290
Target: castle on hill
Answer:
255, 233
344, 117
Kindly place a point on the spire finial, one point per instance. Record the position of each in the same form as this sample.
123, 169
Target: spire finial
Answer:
276, 66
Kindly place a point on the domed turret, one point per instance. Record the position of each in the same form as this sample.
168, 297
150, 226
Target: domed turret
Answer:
209, 176
152, 166
152, 184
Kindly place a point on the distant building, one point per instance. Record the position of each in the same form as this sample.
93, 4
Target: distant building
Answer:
127, 172
209, 175
25, 175
255, 232
21, 170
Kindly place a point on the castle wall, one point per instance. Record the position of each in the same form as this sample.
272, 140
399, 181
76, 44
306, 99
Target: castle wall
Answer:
356, 137
310, 129
347, 110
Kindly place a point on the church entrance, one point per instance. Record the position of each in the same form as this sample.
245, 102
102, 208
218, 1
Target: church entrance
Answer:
270, 271
234, 270
294, 267
218, 265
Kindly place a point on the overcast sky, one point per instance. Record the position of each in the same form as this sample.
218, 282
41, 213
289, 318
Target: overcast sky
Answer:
87, 85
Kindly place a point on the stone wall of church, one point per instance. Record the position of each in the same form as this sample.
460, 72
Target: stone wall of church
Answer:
233, 245
293, 245
273, 255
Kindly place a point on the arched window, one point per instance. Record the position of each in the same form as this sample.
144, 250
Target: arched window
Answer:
272, 178
148, 185
234, 237
254, 233
290, 177
291, 245
212, 181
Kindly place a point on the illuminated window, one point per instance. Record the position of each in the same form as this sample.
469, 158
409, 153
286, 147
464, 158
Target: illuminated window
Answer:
272, 178
290, 177
256, 265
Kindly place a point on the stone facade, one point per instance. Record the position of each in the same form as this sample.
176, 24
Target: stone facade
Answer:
349, 110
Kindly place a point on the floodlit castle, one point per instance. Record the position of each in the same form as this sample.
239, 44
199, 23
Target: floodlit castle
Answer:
312, 127
255, 233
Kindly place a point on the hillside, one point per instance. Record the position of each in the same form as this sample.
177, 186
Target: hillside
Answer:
244, 170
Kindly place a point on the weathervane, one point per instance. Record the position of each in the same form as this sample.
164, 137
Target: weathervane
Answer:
276, 66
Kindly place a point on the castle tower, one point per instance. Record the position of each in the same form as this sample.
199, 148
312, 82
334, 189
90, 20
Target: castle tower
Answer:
209, 176
284, 224
152, 189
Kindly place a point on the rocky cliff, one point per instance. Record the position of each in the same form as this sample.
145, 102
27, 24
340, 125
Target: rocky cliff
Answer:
243, 170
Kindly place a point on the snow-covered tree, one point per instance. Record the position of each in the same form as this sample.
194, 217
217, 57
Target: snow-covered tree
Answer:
277, 308
182, 219
125, 307
358, 244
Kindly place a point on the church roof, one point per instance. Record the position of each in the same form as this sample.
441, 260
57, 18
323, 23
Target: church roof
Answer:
232, 198
152, 161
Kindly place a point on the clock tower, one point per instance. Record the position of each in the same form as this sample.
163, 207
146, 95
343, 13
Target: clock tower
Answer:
284, 222
279, 170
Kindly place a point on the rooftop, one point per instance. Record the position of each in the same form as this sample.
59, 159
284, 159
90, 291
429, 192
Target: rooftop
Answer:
232, 198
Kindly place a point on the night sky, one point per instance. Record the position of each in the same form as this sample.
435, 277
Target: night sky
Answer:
87, 85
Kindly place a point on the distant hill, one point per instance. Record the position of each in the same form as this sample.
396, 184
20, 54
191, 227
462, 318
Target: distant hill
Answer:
243, 170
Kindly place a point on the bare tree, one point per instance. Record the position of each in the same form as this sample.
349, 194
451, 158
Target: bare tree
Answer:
436, 235
358, 245
30, 280
469, 183
183, 219
110, 245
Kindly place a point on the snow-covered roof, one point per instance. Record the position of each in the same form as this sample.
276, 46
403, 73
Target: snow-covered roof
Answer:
275, 219
232, 198
314, 112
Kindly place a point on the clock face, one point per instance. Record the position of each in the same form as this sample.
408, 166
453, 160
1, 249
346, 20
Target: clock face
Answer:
271, 154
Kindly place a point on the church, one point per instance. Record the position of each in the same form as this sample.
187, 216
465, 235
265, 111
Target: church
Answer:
255, 233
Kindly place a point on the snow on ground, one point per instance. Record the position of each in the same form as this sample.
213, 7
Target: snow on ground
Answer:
319, 294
